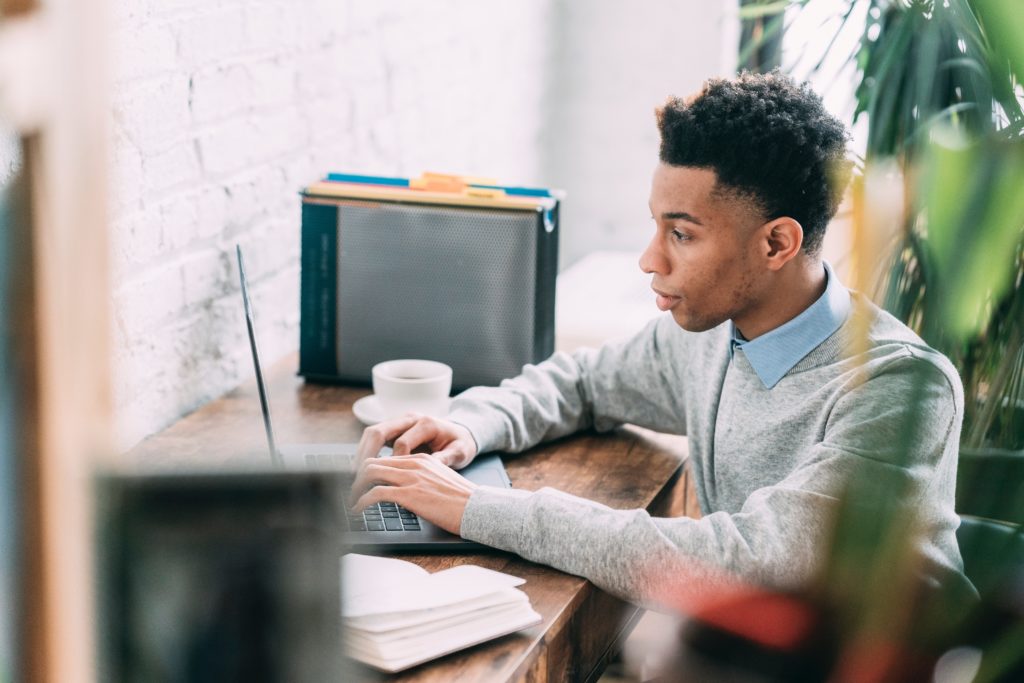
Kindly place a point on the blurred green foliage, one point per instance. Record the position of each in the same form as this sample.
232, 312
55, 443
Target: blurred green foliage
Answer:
939, 83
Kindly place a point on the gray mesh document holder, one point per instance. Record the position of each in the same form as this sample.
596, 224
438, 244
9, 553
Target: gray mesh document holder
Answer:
470, 287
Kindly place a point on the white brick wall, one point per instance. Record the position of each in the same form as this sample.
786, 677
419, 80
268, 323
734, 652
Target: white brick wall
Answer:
224, 110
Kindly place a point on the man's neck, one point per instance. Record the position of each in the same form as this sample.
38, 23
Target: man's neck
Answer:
793, 291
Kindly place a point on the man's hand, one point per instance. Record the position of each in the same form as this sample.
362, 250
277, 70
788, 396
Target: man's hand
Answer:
419, 482
450, 443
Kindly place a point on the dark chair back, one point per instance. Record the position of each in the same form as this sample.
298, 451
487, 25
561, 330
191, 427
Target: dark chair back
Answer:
990, 501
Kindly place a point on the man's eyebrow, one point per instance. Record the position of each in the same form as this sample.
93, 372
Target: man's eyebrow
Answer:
681, 216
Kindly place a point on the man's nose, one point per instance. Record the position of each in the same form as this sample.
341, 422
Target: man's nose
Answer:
651, 261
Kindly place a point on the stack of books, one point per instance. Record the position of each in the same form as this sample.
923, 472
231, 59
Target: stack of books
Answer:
397, 615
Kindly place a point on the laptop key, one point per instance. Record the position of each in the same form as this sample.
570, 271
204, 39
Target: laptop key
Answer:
410, 525
392, 524
389, 513
375, 526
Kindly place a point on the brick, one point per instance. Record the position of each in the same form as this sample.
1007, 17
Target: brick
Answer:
329, 119
173, 167
208, 274
179, 222
226, 148
212, 209
211, 37
126, 172
266, 252
140, 304
145, 49
324, 20
321, 74
270, 26
247, 195
302, 170
279, 239
134, 241
361, 61
174, 7
219, 92
154, 113
251, 140
371, 103
278, 132
272, 83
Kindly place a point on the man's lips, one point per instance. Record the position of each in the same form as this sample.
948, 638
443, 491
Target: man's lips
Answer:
666, 301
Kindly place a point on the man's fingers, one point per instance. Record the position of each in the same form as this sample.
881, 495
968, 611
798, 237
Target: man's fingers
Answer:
449, 456
390, 471
374, 438
423, 430
376, 495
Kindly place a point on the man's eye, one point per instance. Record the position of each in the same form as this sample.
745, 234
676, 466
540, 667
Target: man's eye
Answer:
679, 237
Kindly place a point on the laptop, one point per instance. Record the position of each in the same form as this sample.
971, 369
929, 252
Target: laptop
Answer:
385, 526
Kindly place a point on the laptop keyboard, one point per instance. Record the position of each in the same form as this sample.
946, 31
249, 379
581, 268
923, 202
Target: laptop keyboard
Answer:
382, 516
331, 460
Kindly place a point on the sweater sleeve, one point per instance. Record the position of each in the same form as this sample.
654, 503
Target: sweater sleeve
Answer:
624, 381
780, 535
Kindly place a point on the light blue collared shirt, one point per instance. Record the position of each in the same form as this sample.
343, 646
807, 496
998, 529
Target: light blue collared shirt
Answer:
774, 353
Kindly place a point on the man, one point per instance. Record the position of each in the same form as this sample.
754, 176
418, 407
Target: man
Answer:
757, 364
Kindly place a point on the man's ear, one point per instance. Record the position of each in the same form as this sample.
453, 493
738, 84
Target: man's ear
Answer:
781, 241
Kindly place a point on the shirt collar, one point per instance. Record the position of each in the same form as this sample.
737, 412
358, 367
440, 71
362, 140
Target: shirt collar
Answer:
774, 353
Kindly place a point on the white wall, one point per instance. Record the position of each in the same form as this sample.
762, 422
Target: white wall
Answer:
224, 110
615, 62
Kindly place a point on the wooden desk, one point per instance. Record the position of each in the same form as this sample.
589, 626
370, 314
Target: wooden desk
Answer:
583, 626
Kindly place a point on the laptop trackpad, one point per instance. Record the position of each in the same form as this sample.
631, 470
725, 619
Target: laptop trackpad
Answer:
487, 470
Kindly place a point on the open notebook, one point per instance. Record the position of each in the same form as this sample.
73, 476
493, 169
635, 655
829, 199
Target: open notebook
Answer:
422, 616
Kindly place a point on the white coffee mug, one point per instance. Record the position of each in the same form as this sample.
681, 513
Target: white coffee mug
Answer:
412, 386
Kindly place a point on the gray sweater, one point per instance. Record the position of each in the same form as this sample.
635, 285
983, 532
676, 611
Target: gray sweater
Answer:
769, 464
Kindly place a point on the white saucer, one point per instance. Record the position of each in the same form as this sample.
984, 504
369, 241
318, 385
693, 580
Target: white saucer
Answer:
367, 410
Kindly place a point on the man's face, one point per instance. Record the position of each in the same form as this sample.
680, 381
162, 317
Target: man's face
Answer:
703, 256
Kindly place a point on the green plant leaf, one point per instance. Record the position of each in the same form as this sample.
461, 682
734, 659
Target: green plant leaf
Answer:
767, 10
1002, 19
975, 211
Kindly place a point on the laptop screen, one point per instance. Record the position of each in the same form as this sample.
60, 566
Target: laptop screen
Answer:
275, 456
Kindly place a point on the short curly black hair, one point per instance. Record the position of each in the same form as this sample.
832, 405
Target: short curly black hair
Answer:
768, 140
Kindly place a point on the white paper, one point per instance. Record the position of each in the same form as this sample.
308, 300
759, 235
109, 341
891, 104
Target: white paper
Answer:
380, 585
399, 655
439, 616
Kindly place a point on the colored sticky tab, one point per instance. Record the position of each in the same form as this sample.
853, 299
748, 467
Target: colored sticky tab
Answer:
479, 181
367, 179
436, 182
488, 193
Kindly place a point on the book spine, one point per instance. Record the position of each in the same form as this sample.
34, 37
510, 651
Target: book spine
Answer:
318, 291
544, 287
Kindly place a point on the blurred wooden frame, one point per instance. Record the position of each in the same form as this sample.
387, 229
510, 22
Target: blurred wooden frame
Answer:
59, 319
